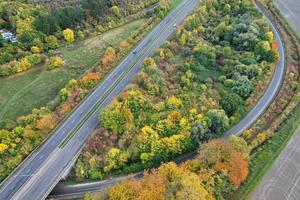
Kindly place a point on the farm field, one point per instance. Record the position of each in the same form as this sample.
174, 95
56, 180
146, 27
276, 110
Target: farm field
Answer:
290, 10
21, 93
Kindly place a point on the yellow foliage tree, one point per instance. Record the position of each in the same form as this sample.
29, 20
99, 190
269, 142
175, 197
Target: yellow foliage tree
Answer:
23, 65
174, 101
35, 50
68, 35
55, 62
100, 28
3, 147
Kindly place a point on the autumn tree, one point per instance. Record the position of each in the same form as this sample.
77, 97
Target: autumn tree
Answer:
116, 11
55, 62
115, 159
68, 35
109, 56
35, 49
23, 65
166, 182
3, 147
117, 117
213, 154
240, 145
46, 123
89, 80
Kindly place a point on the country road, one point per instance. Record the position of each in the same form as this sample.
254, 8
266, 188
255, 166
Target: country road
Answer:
72, 191
41, 171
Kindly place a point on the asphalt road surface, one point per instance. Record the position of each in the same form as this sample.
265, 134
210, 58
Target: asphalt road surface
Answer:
283, 181
73, 191
291, 10
40, 172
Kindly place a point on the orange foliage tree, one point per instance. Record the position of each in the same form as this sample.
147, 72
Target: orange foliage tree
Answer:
89, 79
221, 156
166, 182
109, 56
46, 123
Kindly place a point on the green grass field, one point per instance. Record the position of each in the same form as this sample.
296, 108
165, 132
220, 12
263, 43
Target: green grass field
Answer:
35, 88
263, 158
175, 3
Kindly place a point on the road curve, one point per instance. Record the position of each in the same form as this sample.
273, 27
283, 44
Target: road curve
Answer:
62, 191
270, 92
40, 172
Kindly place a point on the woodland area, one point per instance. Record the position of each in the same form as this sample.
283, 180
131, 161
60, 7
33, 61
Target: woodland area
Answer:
200, 82
211, 175
191, 91
40, 30
20, 137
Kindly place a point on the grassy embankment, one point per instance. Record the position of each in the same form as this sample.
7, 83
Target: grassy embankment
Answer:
21, 93
264, 157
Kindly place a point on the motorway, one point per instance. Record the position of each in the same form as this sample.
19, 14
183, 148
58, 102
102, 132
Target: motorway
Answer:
283, 181
41, 171
290, 9
72, 191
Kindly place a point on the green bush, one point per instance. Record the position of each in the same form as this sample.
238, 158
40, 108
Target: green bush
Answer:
6, 71
136, 167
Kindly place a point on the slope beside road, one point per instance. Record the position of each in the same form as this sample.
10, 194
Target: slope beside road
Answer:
40, 172
78, 190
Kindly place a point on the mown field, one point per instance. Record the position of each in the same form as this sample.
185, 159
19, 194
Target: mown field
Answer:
35, 88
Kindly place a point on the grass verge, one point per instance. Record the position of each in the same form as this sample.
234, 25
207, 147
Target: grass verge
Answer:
175, 3
262, 159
